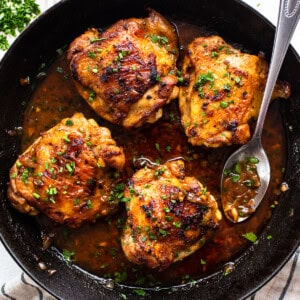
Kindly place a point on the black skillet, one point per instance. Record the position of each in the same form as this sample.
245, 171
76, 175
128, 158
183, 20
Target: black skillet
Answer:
57, 27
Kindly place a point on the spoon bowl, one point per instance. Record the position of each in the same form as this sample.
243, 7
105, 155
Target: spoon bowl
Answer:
243, 203
251, 149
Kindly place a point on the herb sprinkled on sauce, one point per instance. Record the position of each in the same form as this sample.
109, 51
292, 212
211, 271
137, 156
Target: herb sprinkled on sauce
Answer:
239, 188
250, 236
103, 256
68, 255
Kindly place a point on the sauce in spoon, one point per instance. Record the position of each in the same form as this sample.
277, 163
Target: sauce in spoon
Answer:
240, 186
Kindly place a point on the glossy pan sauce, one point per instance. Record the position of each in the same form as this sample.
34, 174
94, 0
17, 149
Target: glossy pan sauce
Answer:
96, 247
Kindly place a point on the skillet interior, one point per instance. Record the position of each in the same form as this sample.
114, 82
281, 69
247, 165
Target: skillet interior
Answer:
56, 28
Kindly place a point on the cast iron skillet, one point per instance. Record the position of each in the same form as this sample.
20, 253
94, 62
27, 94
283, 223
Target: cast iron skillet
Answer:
57, 27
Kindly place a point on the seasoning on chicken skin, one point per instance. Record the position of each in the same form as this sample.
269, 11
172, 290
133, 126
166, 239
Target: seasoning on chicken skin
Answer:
223, 92
169, 215
123, 73
67, 173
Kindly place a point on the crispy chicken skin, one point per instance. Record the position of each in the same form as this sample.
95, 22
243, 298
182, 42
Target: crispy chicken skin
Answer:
169, 215
123, 73
67, 173
223, 92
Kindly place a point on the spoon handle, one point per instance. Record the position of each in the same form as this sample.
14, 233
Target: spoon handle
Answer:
289, 13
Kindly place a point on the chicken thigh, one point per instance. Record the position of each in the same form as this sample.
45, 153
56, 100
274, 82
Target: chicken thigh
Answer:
123, 73
67, 173
169, 215
223, 91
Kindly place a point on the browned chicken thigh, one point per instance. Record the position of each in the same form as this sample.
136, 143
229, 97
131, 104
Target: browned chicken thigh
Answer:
223, 92
123, 73
67, 173
169, 215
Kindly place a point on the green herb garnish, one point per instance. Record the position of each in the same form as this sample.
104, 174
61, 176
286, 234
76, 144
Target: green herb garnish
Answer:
36, 195
253, 160
68, 255
161, 40
250, 236
202, 80
69, 122
224, 104
140, 292
15, 15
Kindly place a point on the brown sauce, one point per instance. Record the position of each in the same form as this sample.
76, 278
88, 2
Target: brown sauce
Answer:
239, 188
96, 247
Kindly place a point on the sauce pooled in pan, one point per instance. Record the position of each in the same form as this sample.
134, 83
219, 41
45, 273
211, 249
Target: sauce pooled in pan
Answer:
96, 247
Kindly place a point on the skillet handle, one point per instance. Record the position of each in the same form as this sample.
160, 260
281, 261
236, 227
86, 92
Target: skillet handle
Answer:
289, 13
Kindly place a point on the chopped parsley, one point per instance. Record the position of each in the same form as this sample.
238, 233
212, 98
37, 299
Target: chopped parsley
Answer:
202, 80
94, 40
53, 160
227, 87
89, 204
169, 218
14, 17
91, 54
253, 160
92, 96
140, 292
25, 175
167, 209
157, 147
238, 80
120, 276
224, 104
168, 148
59, 70
250, 236
66, 139
36, 195
68, 255
162, 232
248, 182
214, 54
95, 70
158, 173
131, 190
70, 167
177, 224
51, 191
117, 193
69, 122
161, 40
235, 172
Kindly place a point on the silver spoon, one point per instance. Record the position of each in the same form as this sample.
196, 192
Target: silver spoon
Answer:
289, 13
